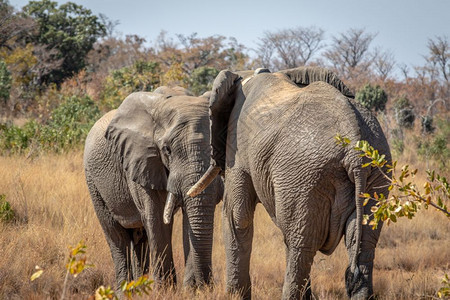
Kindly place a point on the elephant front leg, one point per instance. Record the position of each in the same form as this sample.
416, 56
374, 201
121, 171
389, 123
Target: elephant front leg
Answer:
238, 212
159, 235
161, 258
238, 247
160, 245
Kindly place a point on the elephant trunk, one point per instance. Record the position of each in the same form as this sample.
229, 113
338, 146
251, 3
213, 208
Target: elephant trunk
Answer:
169, 208
198, 230
203, 183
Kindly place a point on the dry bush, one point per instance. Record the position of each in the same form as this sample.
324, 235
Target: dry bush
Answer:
53, 211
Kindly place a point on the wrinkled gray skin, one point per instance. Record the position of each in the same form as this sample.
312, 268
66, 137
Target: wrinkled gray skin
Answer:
274, 135
154, 143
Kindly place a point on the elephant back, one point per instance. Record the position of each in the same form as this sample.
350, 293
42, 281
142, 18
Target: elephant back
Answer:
303, 76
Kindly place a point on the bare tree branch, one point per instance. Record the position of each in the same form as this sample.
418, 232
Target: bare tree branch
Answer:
440, 55
384, 63
289, 48
350, 50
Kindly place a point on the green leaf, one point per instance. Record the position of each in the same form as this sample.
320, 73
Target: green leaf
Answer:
393, 218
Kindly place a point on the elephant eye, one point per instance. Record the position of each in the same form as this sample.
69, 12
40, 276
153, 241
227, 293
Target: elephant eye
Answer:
166, 150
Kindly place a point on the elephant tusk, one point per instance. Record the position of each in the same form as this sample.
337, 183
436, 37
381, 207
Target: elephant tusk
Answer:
168, 208
203, 183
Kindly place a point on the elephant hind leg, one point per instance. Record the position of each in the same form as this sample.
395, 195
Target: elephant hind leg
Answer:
118, 238
297, 283
300, 219
139, 252
359, 282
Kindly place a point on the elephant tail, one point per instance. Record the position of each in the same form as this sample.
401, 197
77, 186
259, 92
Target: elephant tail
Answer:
360, 179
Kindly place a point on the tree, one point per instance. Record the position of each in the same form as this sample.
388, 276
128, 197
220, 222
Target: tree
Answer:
114, 53
141, 76
13, 26
27, 64
199, 52
289, 48
211, 51
404, 113
349, 54
440, 55
384, 63
372, 97
70, 28
5, 82
201, 79
193, 52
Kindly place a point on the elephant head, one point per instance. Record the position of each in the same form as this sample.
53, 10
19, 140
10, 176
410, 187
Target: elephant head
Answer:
227, 88
162, 141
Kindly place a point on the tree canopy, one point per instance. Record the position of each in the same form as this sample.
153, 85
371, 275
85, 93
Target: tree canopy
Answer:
70, 29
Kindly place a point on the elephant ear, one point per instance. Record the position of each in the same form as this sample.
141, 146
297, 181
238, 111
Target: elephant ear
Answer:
131, 136
303, 76
221, 104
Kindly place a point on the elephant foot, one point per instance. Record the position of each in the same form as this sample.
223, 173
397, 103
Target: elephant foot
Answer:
357, 284
298, 293
243, 293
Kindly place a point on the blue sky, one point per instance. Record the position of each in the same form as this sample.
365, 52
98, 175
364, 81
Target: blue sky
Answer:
402, 26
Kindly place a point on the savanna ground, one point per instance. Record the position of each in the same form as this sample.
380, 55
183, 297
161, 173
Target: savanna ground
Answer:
53, 211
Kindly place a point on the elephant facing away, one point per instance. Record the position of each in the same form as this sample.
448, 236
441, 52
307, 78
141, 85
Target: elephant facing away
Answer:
139, 161
273, 134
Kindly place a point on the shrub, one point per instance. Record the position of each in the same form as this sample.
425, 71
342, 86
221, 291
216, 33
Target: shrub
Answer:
6, 212
15, 139
70, 123
427, 124
398, 146
404, 113
405, 118
201, 79
436, 147
142, 76
67, 127
374, 98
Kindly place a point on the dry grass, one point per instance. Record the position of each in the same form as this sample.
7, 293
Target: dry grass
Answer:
54, 211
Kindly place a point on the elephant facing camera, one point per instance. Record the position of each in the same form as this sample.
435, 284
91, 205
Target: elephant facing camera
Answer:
140, 160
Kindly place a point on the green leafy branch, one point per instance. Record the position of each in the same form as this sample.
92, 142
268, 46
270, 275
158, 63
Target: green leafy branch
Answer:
408, 199
7, 213
444, 291
77, 260
141, 286
76, 263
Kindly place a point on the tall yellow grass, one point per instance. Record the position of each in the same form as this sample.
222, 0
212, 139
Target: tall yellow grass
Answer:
53, 211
